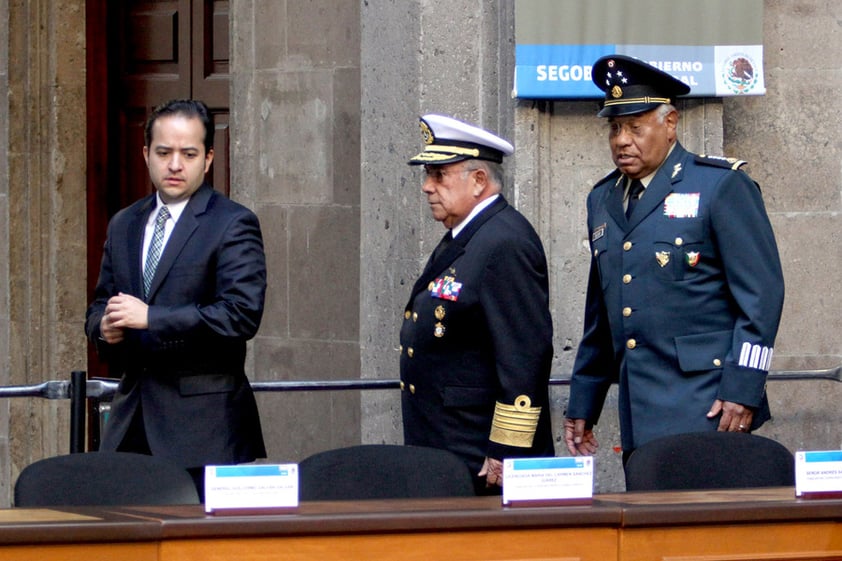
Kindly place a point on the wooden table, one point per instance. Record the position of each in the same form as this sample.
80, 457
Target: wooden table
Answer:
761, 524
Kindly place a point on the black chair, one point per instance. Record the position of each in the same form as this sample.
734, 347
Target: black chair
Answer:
709, 460
383, 471
104, 478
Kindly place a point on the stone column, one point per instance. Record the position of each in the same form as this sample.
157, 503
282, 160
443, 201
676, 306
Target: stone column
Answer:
42, 304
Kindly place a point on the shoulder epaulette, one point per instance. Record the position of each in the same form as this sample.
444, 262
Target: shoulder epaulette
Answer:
614, 174
720, 161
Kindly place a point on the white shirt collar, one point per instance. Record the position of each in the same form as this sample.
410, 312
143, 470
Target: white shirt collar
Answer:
175, 208
477, 209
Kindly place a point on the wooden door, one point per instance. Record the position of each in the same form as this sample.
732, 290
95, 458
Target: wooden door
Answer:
141, 53
161, 50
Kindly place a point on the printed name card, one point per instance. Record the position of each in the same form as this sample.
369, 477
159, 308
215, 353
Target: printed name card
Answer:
251, 489
818, 475
547, 481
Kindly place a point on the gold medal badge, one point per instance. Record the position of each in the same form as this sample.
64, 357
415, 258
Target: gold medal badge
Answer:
662, 257
439, 313
439, 330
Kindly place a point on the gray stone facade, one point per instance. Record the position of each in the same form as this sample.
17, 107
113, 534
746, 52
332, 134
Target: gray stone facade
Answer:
325, 97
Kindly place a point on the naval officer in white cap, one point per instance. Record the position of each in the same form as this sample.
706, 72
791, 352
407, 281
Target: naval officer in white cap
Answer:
476, 339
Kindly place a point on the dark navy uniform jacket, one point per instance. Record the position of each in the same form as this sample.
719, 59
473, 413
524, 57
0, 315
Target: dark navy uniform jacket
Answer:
477, 330
683, 302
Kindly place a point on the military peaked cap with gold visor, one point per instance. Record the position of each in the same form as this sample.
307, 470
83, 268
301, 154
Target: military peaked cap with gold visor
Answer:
449, 140
633, 86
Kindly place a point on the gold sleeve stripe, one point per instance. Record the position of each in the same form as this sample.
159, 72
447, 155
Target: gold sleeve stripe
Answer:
515, 425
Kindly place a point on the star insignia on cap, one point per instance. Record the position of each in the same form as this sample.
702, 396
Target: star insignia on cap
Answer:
618, 78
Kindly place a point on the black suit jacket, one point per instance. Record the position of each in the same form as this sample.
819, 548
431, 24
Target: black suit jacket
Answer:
186, 371
477, 330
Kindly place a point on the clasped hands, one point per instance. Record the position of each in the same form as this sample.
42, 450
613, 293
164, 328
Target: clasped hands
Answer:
122, 312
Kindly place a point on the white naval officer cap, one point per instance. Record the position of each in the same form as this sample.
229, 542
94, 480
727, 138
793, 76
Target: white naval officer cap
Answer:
449, 140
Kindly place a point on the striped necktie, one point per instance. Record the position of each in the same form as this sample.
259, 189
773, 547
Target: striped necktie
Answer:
155, 247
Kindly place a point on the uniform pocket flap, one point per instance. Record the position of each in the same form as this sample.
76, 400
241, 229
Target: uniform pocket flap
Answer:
703, 351
205, 384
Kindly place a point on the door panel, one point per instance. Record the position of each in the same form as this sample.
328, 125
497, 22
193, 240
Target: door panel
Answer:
165, 49
210, 63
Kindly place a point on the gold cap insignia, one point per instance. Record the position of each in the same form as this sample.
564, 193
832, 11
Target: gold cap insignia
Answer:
515, 425
427, 133
616, 92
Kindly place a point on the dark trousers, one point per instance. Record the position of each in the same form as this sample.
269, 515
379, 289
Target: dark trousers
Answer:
135, 441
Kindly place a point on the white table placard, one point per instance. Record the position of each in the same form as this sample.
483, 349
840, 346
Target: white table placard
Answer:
818, 474
251, 488
542, 481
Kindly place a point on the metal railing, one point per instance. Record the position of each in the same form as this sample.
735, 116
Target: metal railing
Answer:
78, 390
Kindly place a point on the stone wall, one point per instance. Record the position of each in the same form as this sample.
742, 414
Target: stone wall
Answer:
5, 320
295, 148
42, 186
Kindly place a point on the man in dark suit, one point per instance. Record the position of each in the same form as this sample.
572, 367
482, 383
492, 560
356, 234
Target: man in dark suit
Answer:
476, 340
685, 290
180, 291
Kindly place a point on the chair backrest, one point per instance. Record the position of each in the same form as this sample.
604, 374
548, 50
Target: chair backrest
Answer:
710, 460
104, 478
383, 471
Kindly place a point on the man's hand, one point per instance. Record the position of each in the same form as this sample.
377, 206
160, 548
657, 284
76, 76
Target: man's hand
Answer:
580, 440
492, 470
735, 417
123, 312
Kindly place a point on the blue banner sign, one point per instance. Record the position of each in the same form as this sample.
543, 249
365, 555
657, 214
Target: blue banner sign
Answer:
715, 46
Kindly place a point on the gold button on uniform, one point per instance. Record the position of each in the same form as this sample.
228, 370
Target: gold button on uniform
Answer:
679, 242
400, 349
412, 388
627, 312
410, 351
406, 314
415, 316
631, 343
627, 279
627, 246
717, 362
403, 386
595, 252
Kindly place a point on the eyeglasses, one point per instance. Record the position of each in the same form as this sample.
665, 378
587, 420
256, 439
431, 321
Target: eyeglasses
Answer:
438, 173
